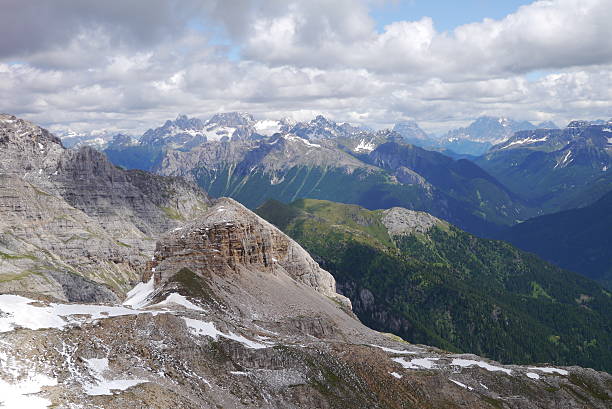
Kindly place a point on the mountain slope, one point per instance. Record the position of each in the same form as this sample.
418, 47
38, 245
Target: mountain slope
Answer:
555, 169
578, 239
429, 282
74, 223
481, 134
237, 315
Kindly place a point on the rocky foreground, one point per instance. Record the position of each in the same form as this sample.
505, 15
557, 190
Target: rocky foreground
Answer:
232, 313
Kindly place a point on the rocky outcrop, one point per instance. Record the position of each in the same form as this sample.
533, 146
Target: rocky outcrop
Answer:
70, 215
400, 221
231, 241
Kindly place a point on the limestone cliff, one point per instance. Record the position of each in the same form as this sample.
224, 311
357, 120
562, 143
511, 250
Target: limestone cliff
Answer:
70, 220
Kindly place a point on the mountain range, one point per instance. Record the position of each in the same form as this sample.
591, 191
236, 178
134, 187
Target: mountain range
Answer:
378, 170
121, 289
555, 169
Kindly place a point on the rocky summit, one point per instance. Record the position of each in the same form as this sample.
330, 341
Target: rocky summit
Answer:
233, 314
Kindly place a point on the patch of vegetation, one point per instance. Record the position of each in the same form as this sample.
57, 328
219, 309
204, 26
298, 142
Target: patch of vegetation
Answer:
7, 256
6, 277
537, 291
192, 285
172, 213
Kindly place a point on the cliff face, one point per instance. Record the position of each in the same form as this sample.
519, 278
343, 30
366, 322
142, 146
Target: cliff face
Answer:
70, 216
231, 241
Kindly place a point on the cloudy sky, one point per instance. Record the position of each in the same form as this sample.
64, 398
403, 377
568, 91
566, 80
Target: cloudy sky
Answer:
129, 65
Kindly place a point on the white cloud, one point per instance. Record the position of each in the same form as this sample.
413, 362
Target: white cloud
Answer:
99, 65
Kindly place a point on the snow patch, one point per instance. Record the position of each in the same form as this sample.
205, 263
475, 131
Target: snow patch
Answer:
395, 375
526, 141
138, 296
532, 375
208, 329
21, 393
103, 386
21, 312
365, 146
566, 159
394, 351
549, 370
418, 363
304, 141
461, 384
469, 362
178, 299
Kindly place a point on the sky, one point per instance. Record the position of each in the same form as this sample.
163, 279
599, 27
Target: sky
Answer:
126, 66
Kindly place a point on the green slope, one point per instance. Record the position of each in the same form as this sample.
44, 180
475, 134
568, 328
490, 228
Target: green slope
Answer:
579, 240
454, 290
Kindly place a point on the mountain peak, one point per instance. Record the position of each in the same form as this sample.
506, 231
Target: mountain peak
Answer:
232, 119
230, 239
410, 130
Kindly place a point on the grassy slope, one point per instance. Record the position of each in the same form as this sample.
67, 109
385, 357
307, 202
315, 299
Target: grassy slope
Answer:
453, 290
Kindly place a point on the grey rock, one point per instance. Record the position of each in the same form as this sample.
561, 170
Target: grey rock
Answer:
66, 212
401, 222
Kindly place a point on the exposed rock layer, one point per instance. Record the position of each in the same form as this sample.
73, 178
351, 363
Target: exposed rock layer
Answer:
68, 213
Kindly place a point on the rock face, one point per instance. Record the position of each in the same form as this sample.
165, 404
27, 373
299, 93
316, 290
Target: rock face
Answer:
231, 240
70, 216
228, 326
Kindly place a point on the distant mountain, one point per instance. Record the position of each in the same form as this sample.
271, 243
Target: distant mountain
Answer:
326, 160
547, 125
97, 140
579, 239
481, 134
416, 276
185, 133
323, 128
410, 130
556, 169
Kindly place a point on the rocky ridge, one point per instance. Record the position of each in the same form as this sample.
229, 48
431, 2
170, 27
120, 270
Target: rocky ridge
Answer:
74, 223
225, 330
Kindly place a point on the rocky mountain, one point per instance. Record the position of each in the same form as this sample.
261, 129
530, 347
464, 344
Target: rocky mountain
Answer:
547, 125
232, 313
480, 135
72, 225
97, 139
410, 130
423, 279
288, 167
576, 239
555, 169
186, 133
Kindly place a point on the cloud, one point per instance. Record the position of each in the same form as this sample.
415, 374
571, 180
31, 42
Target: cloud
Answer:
128, 67
543, 35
